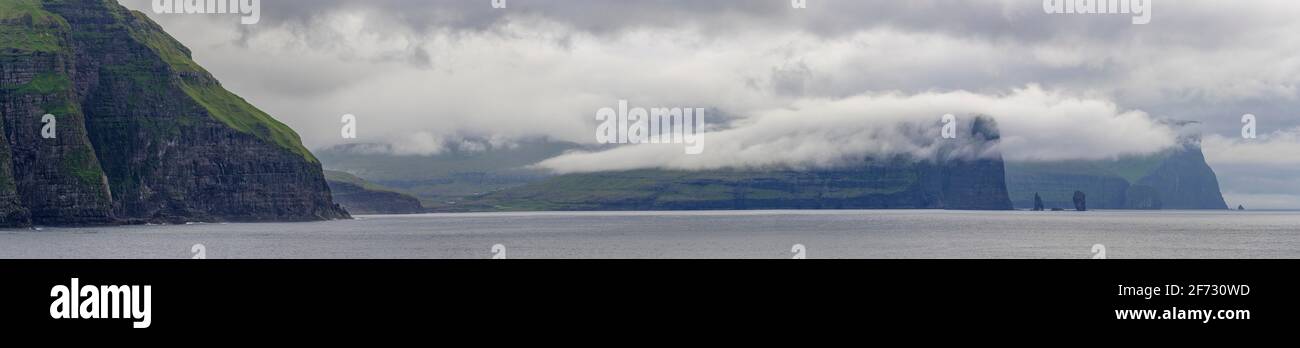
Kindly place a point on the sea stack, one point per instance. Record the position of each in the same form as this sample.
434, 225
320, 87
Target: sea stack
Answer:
1080, 201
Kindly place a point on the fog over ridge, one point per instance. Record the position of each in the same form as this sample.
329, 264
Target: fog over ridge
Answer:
423, 74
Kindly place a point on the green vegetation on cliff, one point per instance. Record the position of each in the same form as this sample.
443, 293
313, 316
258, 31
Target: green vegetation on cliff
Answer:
242, 116
28, 27
45, 83
143, 132
171, 51
199, 85
81, 164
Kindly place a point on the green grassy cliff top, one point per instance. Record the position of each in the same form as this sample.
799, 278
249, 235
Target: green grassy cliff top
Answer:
26, 26
223, 105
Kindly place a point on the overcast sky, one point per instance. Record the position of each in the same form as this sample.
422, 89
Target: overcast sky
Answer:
796, 86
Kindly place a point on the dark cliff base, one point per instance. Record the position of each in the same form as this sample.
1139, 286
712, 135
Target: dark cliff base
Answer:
144, 134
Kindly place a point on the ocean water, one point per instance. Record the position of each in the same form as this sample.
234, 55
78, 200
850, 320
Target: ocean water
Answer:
724, 234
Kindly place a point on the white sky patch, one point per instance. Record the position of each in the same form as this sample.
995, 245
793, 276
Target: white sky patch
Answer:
1276, 148
1258, 173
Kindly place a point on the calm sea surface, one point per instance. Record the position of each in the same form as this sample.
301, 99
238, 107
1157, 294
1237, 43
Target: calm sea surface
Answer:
739, 234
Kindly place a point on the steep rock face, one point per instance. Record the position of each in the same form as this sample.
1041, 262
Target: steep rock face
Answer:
58, 180
959, 177
974, 176
144, 133
1185, 181
12, 211
1177, 178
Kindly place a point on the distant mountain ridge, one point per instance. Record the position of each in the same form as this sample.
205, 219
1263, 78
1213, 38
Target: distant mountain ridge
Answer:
946, 181
361, 197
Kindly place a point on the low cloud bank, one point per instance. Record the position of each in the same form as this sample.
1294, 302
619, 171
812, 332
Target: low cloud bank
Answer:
1035, 124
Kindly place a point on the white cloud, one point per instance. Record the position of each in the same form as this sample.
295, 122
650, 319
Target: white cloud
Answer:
1036, 125
1277, 148
418, 74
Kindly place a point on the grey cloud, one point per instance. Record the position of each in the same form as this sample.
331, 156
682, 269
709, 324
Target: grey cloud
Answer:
415, 70
790, 79
819, 133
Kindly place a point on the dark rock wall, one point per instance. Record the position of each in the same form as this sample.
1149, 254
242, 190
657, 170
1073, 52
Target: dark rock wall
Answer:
59, 180
1185, 181
138, 134
976, 180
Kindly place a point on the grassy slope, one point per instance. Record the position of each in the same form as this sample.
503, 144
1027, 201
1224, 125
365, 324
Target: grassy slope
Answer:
46, 83
220, 103
40, 35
